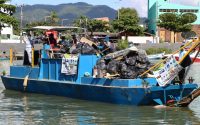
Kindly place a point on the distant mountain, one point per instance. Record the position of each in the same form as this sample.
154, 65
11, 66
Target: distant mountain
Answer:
65, 11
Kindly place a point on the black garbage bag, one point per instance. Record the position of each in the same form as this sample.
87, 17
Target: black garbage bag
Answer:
122, 67
133, 68
113, 67
142, 58
128, 74
101, 64
140, 71
87, 49
79, 45
130, 61
132, 54
76, 51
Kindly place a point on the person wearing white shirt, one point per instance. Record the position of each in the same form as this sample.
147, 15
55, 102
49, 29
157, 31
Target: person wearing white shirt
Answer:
28, 50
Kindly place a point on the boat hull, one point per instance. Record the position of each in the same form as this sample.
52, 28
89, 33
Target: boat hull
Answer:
109, 94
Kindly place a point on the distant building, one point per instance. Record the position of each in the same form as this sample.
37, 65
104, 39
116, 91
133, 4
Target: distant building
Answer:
7, 32
7, 35
106, 19
157, 7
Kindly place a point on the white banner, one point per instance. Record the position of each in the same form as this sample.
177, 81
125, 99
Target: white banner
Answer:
167, 71
69, 64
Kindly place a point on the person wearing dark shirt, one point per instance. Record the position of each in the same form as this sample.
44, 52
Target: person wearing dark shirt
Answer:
52, 40
61, 42
185, 62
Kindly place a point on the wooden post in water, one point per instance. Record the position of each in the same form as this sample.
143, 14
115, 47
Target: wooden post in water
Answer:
32, 56
11, 56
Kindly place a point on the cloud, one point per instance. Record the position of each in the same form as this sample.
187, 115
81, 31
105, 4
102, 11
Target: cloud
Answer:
187, 2
139, 5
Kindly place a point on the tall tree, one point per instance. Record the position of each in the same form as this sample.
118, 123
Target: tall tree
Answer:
81, 21
177, 22
6, 12
54, 19
91, 25
128, 22
97, 26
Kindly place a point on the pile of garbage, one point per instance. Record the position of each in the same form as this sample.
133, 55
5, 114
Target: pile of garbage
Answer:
83, 48
124, 64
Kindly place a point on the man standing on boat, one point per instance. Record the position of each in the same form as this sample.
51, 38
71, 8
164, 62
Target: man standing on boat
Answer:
28, 50
185, 62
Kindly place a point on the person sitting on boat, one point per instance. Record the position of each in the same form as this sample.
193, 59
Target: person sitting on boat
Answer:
28, 50
184, 63
109, 47
61, 42
52, 41
64, 45
74, 39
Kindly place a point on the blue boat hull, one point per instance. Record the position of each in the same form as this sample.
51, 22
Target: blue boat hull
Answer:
110, 94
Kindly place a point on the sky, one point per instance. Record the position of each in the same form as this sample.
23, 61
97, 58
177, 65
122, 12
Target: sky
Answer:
139, 5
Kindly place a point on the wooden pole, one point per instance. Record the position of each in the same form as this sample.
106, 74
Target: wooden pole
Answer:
11, 56
32, 56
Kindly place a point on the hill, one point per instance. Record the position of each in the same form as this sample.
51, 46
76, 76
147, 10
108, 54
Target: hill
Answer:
68, 11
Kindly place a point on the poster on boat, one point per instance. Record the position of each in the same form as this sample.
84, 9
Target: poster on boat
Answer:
69, 64
167, 71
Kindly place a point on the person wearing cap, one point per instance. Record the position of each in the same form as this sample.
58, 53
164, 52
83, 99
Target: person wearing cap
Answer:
184, 63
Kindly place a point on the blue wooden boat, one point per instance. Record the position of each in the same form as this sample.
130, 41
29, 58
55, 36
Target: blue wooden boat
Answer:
48, 79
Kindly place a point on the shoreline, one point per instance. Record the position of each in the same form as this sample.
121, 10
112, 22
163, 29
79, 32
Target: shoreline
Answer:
20, 47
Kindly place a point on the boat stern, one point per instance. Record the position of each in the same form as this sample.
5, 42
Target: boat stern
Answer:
167, 94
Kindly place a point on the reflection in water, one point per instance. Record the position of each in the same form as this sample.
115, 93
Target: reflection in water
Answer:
17, 108
23, 108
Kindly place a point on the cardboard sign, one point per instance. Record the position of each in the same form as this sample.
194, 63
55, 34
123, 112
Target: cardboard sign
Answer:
167, 71
69, 64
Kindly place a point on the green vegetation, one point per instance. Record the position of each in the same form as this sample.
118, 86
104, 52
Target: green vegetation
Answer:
150, 51
3, 72
92, 25
122, 44
128, 22
6, 17
177, 23
96, 25
54, 19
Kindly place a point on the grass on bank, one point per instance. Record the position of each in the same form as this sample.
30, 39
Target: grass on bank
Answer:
150, 51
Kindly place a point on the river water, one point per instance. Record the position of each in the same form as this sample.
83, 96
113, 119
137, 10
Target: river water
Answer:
17, 108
